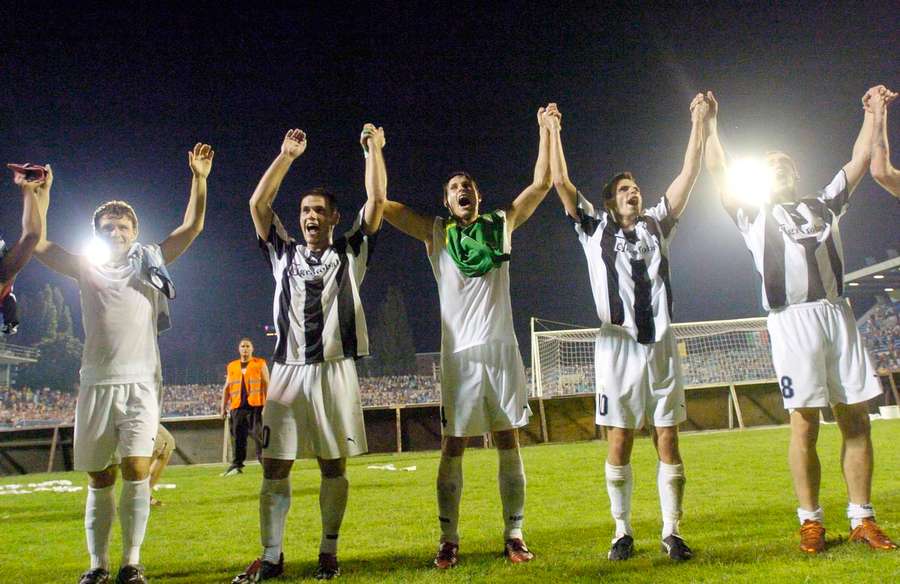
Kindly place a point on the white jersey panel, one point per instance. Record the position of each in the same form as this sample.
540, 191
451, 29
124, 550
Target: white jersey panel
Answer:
474, 311
119, 314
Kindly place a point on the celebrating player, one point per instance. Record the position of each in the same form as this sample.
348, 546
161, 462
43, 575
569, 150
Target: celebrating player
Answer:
313, 406
818, 353
124, 306
483, 385
243, 398
881, 168
639, 378
13, 259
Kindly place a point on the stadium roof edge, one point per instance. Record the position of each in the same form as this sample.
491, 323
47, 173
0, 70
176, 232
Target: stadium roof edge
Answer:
880, 267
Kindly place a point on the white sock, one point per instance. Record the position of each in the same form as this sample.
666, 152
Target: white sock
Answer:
332, 503
619, 485
99, 512
804, 515
274, 502
449, 492
670, 481
511, 477
134, 511
856, 513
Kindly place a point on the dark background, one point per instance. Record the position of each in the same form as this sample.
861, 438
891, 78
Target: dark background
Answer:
114, 98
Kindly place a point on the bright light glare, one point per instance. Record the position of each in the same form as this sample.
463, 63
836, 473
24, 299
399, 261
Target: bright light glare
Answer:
878, 276
96, 251
888, 289
854, 283
750, 181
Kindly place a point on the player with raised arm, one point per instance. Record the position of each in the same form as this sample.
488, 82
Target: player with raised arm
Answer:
124, 307
639, 379
30, 178
483, 384
881, 168
313, 406
819, 356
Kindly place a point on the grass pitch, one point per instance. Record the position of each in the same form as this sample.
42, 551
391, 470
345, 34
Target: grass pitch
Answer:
739, 519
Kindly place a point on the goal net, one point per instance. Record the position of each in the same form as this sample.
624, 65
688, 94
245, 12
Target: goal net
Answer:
713, 353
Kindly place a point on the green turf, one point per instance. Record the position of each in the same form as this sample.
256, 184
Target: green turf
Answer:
739, 519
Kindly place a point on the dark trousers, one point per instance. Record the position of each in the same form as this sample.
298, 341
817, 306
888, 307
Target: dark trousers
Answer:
245, 423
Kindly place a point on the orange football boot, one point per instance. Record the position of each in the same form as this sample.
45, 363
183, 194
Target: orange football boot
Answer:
869, 533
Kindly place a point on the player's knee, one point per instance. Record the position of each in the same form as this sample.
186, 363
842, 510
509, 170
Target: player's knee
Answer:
104, 478
332, 469
453, 446
135, 468
275, 469
853, 422
506, 439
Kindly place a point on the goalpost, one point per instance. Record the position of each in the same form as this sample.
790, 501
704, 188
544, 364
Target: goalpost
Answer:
720, 353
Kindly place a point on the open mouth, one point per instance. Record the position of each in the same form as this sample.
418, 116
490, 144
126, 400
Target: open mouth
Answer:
312, 228
465, 201
634, 201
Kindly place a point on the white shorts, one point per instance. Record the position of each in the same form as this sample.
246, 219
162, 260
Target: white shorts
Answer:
314, 411
819, 356
483, 389
113, 422
637, 384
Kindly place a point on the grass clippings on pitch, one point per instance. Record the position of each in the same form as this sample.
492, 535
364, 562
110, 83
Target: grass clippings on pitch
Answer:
739, 519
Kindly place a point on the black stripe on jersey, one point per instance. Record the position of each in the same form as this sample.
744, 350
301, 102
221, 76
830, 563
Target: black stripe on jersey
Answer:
837, 266
669, 221
346, 308
283, 322
356, 241
643, 305
663, 265
840, 200
588, 224
608, 252
314, 321
814, 287
773, 262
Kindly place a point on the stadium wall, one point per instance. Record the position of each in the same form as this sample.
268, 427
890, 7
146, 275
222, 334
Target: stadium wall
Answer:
418, 427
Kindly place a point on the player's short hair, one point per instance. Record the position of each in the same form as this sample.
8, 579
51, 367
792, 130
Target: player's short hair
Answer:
461, 173
786, 155
320, 192
116, 210
609, 189
248, 339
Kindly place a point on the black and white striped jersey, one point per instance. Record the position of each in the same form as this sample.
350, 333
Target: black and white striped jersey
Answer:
796, 246
317, 309
629, 270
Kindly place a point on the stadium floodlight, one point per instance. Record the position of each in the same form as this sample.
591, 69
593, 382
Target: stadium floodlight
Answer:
888, 289
96, 251
750, 180
878, 276
854, 284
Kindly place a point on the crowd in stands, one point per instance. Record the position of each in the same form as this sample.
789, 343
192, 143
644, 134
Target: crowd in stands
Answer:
881, 330
23, 406
391, 390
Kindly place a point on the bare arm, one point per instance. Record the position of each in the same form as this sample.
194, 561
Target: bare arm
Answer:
715, 155
862, 152
32, 223
200, 160
372, 140
408, 221
528, 200
679, 191
294, 145
567, 191
50, 254
265, 377
881, 168
224, 409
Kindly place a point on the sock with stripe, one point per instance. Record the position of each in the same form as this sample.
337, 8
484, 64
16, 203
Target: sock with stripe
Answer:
511, 477
449, 493
332, 503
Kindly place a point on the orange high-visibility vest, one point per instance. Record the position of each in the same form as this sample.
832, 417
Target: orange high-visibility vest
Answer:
256, 386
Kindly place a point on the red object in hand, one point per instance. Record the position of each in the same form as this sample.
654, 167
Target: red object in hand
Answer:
32, 172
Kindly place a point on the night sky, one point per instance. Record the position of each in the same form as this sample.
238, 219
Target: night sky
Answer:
114, 99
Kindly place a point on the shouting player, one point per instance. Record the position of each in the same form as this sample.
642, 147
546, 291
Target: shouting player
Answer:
483, 385
639, 380
313, 407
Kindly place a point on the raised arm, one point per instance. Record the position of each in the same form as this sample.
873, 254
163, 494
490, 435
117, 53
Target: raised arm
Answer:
409, 222
881, 168
524, 205
372, 140
294, 145
714, 154
567, 191
856, 168
200, 160
52, 255
679, 191
32, 224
